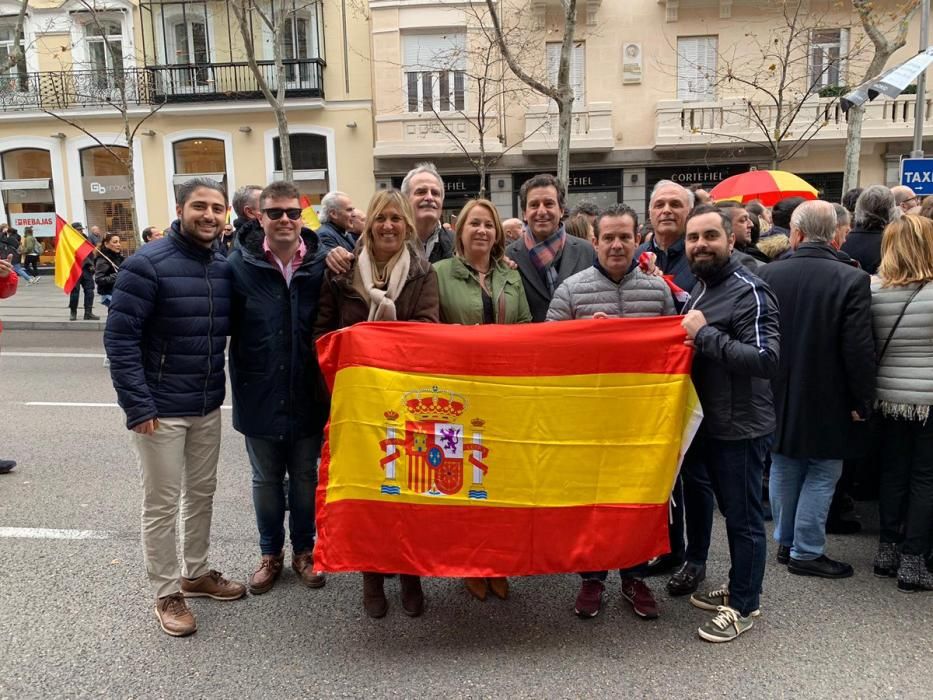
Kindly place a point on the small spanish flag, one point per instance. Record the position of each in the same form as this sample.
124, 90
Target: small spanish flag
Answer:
502, 450
308, 215
71, 250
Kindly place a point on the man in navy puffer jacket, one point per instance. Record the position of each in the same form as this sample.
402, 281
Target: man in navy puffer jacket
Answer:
165, 338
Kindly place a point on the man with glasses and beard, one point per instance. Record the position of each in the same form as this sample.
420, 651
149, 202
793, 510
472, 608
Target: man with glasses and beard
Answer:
276, 282
732, 322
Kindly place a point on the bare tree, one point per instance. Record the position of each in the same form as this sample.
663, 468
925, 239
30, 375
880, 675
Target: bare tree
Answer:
884, 47
115, 89
561, 93
778, 110
274, 15
491, 89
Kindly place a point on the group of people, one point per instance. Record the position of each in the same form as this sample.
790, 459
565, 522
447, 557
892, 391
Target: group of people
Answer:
799, 362
23, 251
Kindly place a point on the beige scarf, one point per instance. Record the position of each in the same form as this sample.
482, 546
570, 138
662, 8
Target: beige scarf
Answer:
383, 289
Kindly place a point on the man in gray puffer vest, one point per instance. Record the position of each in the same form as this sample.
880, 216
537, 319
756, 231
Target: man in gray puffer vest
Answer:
612, 288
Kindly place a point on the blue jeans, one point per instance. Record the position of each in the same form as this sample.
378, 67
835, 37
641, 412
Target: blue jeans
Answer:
801, 493
735, 469
271, 460
21, 272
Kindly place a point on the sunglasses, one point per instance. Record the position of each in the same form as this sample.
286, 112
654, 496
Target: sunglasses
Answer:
275, 213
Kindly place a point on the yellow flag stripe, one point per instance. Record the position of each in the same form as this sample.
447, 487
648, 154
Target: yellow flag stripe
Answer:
552, 441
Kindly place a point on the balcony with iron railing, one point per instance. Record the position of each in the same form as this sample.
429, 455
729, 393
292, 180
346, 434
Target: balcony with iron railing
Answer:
156, 85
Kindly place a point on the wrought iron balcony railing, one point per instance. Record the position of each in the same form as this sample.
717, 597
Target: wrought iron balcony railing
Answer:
154, 85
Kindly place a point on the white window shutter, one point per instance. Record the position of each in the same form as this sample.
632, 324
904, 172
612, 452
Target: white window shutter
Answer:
553, 62
578, 73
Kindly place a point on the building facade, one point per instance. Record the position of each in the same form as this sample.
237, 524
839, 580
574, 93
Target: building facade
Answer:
652, 96
175, 74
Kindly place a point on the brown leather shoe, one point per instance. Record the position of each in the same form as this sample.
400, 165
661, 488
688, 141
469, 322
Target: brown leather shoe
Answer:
499, 587
263, 579
303, 564
212, 585
175, 617
412, 595
477, 587
374, 597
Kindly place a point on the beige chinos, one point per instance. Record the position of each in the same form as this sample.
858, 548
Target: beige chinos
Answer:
178, 462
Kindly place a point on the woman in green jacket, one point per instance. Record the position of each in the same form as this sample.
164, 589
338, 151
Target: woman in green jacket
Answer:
474, 287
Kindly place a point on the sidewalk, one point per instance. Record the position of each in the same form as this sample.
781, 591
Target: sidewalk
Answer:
43, 306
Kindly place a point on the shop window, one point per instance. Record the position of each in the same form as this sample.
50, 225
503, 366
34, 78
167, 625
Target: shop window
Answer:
309, 152
696, 68
108, 198
197, 156
26, 187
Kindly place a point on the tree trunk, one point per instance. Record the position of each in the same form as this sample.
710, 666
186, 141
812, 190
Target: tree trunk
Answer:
564, 124
285, 146
853, 147
131, 176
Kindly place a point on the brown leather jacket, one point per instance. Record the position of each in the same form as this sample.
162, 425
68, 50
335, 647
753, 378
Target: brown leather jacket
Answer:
341, 305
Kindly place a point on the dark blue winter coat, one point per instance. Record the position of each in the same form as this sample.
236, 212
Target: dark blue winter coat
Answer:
277, 391
167, 329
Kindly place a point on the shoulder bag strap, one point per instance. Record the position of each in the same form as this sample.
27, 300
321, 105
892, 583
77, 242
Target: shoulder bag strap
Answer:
897, 322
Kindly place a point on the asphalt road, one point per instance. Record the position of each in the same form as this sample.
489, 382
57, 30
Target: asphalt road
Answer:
76, 619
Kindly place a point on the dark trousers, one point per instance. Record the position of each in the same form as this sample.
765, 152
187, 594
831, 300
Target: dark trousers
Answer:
734, 469
32, 264
635, 572
906, 499
87, 283
693, 509
271, 461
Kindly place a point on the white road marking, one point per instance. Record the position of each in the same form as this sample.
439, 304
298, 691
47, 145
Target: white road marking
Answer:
45, 533
93, 355
79, 404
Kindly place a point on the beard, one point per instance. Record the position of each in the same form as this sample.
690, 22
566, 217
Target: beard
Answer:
709, 267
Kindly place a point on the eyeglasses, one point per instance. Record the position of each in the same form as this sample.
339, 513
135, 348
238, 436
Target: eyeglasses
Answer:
275, 213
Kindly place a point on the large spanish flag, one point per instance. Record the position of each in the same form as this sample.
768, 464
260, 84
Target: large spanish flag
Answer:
502, 450
71, 250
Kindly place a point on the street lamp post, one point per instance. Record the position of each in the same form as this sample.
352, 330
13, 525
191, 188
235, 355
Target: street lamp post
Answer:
921, 83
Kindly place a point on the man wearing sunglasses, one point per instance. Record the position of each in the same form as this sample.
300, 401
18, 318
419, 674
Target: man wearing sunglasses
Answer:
277, 274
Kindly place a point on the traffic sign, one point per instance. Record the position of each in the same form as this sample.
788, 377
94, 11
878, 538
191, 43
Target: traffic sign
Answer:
917, 174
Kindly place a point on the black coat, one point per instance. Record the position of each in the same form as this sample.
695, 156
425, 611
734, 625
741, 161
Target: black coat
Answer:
865, 247
167, 329
277, 394
106, 265
827, 353
577, 256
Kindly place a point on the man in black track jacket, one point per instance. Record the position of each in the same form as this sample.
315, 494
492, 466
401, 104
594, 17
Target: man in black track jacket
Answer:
732, 322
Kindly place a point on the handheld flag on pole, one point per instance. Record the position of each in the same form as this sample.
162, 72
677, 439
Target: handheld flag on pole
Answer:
308, 215
71, 250
502, 450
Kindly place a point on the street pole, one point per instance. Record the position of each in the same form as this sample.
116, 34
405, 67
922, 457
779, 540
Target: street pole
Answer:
921, 83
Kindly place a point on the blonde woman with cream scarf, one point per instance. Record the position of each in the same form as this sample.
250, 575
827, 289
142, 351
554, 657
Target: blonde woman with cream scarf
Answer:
389, 280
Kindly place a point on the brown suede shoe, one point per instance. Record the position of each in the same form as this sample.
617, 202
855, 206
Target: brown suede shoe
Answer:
263, 579
499, 587
212, 585
303, 564
374, 597
477, 587
412, 595
175, 617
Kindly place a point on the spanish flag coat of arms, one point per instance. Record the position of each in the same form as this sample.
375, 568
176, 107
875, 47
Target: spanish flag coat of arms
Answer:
502, 450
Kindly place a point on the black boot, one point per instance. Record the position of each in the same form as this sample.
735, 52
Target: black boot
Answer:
74, 315
912, 575
374, 597
412, 596
89, 316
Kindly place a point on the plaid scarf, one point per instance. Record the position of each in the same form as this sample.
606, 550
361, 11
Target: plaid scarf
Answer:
544, 254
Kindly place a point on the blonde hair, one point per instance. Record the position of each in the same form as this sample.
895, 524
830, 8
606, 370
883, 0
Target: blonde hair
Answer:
498, 247
379, 202
906, 251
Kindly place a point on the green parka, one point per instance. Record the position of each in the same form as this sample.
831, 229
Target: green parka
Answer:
461, 300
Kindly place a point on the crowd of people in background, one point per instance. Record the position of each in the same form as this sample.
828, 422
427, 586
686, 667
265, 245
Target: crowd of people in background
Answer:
811, 324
